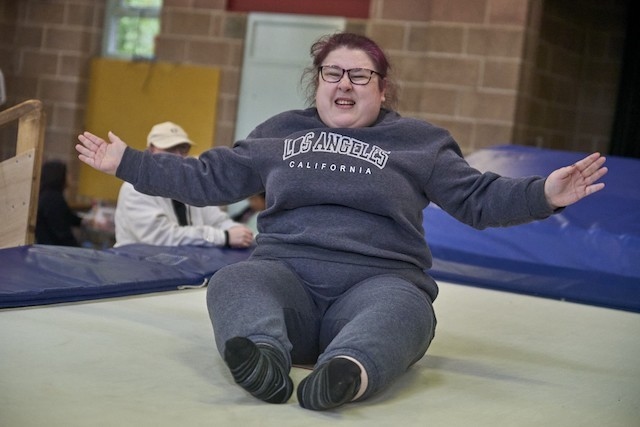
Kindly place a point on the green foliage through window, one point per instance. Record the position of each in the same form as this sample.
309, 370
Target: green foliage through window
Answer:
131, 27
142, 3
136, 36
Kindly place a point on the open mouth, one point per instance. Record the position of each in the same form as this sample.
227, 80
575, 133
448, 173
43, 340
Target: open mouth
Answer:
345, 102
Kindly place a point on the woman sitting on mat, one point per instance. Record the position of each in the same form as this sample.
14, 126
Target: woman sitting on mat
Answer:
338, 275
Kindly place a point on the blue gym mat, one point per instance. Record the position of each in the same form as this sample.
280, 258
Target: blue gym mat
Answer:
588, 253
43, 274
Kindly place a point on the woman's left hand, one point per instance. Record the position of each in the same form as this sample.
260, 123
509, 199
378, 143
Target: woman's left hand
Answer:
569, 184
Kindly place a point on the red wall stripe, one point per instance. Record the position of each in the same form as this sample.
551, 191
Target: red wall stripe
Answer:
346, 8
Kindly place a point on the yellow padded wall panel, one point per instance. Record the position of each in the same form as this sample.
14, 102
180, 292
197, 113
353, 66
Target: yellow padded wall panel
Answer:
128, 98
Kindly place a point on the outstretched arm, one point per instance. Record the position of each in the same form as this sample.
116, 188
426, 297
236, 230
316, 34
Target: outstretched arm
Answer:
569, 184
99, 154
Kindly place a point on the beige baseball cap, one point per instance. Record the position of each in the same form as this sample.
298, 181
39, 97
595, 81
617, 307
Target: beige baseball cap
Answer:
166, 135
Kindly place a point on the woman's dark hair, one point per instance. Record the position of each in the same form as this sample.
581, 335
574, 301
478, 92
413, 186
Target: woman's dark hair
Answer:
53, 176
327, 44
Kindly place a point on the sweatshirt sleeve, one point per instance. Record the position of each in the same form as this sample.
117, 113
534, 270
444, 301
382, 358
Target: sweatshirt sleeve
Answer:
218, 177
487, 199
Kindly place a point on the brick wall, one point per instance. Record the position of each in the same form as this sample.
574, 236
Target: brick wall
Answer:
206, 34
570, 75
45, 51
537, 72
457, 62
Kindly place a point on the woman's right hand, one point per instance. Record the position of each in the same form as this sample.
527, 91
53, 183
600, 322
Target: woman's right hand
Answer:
100, 154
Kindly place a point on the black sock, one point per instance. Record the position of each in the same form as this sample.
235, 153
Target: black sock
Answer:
258, 368
331, 385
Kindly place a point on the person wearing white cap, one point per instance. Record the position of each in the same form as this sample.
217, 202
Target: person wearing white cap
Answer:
140, 218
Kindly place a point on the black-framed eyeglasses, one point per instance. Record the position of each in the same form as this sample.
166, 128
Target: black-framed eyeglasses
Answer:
357, 76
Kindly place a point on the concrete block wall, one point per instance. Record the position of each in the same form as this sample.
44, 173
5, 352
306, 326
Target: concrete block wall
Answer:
204, 33
457, 62
45, 51
570, 74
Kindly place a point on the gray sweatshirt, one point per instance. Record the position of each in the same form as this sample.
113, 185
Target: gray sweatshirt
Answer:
349, 195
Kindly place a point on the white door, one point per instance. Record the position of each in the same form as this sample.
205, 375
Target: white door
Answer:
275, 54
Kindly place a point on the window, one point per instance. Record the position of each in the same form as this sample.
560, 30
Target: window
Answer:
130, 28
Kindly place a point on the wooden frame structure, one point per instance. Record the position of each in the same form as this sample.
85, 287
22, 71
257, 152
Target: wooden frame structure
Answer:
20, 175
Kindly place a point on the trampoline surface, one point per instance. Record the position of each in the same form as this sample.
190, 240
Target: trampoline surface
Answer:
498, 358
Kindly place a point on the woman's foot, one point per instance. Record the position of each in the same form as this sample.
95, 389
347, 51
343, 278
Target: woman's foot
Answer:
331, 385
258, 368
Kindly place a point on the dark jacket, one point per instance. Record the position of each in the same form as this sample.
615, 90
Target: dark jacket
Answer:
55, 218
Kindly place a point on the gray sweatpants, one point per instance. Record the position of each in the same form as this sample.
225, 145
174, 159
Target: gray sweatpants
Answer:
316, 310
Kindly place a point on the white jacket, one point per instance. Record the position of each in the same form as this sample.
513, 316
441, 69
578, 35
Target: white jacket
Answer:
147, 219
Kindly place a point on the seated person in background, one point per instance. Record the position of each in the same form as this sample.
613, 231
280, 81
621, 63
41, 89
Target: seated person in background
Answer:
246, 211
240, 211
55, 220
140, 218
256, 205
